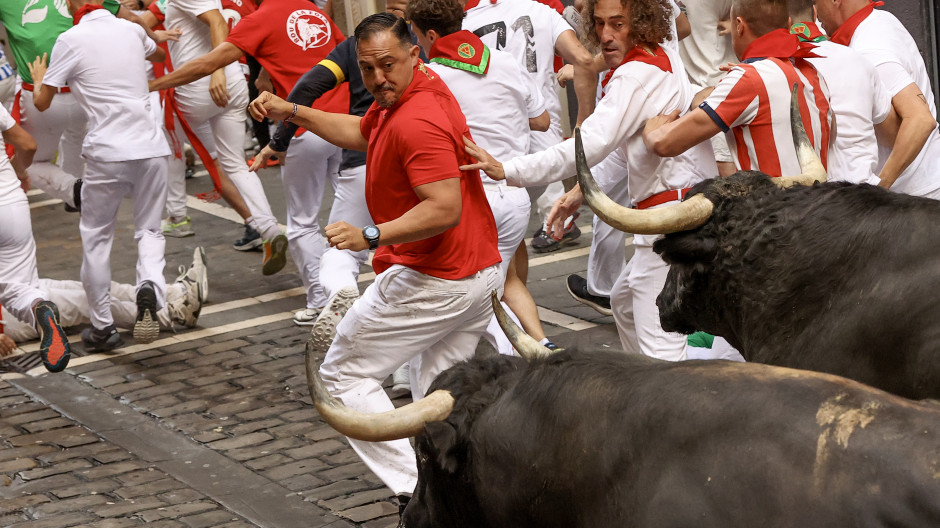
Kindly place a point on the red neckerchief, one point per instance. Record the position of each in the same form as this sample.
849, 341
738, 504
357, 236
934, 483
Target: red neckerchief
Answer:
843, 35
808, 32
778, 44
462, 50
470, 5
82, 11
640, 54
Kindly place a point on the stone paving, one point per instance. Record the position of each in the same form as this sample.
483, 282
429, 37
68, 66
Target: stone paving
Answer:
211, 426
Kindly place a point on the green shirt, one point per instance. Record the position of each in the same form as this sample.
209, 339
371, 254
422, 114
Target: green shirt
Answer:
33, 26
111, 5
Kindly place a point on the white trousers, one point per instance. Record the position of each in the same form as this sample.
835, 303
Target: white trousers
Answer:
404, 317
176, 173
310, 161
19, 279
511, 208
606, 257
61, 128
69, 296
228, 129
106, 185
633, 301
339, 268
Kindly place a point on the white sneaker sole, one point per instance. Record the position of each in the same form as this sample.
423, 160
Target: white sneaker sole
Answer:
146, 329
324, 329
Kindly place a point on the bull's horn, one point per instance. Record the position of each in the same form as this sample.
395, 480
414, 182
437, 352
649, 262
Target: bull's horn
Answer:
679, 217
525, 344
403, 422
810, 164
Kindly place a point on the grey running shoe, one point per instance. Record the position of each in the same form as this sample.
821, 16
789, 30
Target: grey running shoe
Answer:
103, 340
324, 329
147, 327
179, 229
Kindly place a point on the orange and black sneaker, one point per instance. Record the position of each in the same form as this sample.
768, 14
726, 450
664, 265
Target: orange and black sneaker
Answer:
275, 255
54, 345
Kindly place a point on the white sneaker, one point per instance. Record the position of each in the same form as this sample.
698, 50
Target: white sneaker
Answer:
198, 272
185, 310
306, 317
324, 329
400, 382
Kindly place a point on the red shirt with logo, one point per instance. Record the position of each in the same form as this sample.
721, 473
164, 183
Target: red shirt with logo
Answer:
419, 140
288, 38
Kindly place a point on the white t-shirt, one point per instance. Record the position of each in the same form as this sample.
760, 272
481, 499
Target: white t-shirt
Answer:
859, 101
882, 39
497, 105
102, 61
703, 51
636, 92
10, 191
528, 30
195, 41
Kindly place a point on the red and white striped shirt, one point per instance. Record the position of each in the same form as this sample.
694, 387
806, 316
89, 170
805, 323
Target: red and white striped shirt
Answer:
752, 106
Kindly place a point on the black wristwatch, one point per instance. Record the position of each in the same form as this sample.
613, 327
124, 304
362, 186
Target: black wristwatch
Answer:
371, 234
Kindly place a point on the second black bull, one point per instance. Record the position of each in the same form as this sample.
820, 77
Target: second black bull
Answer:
829, 277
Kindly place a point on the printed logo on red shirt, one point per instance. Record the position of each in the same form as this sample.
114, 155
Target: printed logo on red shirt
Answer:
308, 29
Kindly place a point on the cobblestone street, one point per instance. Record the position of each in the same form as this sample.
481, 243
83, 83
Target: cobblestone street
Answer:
211, 426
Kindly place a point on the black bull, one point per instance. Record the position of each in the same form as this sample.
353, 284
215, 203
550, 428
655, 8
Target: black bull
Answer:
834, 278
588, 440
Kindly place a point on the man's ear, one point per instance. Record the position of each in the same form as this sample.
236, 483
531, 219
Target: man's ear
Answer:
740, 26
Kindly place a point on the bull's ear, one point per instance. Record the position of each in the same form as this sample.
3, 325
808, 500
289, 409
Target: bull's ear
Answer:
442, 445
686, 248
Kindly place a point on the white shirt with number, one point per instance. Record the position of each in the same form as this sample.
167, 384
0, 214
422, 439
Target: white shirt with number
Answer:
528, 30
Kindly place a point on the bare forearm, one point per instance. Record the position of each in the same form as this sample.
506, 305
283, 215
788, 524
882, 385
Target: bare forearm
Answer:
191, 71
429, 218
911, 137
585, 88
341, 130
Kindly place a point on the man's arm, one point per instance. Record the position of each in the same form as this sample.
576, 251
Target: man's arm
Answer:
24, 149
308, 89
540, 123
157, 36
585, 75
218, 32
916, 124
217, 59
341, 130
42, 94
439, 210
669, 135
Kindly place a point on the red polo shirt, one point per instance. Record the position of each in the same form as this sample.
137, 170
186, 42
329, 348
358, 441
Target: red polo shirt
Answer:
419, 140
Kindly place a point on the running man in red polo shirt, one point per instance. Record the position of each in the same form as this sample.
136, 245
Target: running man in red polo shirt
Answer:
435, 237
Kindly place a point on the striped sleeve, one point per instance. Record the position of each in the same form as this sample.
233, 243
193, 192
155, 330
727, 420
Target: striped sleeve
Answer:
734, 102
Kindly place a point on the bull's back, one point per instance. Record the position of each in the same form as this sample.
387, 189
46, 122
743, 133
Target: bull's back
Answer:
620, 441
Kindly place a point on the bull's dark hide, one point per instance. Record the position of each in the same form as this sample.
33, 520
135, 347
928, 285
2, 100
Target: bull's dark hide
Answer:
594, 440
834, 278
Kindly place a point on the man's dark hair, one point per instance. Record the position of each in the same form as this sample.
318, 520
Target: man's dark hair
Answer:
443, 16
380, 22
762, 16
800, 7
650, 22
